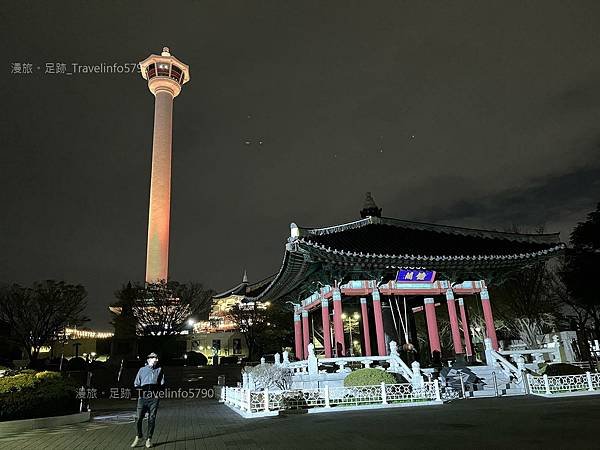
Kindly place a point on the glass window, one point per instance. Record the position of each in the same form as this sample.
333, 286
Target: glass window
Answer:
151, 71
175, 73
163, 69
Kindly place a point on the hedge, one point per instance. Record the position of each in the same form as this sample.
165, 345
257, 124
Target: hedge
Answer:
560, 369
28, 394
368, 377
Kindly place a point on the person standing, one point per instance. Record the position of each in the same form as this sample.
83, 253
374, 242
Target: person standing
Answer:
148, 383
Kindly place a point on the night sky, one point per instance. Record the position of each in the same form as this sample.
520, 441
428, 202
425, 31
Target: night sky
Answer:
483, 114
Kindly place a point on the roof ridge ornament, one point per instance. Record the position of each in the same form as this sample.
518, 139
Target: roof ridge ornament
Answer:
370, 208
294, 231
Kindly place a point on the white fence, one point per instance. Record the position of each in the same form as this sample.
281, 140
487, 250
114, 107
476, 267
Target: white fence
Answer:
545, 385
250, 401
316, 372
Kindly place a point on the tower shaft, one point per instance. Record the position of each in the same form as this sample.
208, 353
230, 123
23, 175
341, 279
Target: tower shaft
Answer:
165, 75
157, 254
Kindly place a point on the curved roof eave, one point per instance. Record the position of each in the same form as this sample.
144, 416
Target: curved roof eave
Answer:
548, 238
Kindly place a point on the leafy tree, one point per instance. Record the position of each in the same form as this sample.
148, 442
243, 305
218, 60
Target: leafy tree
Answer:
39, 313
266, 326
124, 320
581, 269
525, 303
163, 308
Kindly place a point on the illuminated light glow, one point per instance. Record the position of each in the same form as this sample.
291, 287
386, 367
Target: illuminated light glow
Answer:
74, 333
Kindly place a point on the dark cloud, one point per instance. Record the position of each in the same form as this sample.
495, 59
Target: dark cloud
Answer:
502, 100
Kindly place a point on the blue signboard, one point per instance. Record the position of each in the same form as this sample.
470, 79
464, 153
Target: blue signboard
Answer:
426, 276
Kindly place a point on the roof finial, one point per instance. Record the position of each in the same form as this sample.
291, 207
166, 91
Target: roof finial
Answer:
245, 277
166, 51
370, 208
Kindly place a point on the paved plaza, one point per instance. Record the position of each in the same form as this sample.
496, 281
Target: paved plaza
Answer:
515, 422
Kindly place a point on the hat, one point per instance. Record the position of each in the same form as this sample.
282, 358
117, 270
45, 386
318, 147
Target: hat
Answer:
152, 355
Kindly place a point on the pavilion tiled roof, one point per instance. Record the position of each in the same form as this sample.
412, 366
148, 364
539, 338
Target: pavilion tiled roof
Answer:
381, 244
246, 289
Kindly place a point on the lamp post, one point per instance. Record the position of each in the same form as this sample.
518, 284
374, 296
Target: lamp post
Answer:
352, 321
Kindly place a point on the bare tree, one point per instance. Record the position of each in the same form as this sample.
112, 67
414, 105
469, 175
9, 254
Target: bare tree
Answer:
39, 313
163, 308
525, 303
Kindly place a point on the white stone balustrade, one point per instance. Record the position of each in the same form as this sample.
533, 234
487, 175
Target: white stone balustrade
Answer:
256, 403
313, 372
533, 358
564, 384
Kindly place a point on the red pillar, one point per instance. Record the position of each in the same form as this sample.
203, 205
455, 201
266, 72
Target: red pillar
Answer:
381, 350
465, 327
458, 348
365, 322
298, 336
490, 329
338, 325
432, 328
326, 335
305, 333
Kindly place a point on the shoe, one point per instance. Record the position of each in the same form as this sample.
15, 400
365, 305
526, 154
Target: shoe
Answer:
148, 443
135, 442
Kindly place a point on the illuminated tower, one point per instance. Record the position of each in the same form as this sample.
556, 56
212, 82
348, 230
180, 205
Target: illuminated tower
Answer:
165, 75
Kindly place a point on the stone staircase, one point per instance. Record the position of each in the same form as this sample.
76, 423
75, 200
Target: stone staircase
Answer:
487, 388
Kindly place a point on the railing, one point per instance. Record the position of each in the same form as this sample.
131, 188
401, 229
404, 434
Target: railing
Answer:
313, 365
509, 369
532, 358
328, 397
547, 385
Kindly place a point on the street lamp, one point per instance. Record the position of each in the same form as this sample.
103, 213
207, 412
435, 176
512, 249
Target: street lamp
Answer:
352, 320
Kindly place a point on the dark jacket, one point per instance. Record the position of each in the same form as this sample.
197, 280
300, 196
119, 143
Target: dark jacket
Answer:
149, 378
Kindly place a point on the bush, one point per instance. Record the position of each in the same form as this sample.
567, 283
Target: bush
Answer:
195, 359
28, 394
269, 376
369, 377
560, 369
76, 363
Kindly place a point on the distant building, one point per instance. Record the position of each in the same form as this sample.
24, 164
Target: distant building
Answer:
220, 334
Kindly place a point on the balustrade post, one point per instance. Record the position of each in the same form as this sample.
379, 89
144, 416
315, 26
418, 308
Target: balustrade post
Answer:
559, 350
588, 375
538, 358
286, 358
327, 405
520, 361
342, 366
489, 356
248, 400
383, 394
547, 384
436, 384
266, 399
417, 378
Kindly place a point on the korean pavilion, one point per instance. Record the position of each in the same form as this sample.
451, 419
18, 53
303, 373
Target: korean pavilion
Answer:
382, 273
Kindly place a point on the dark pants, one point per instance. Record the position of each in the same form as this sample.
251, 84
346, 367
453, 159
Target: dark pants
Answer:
150, 406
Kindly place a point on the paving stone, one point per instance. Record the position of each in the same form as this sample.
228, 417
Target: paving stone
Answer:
513, 422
